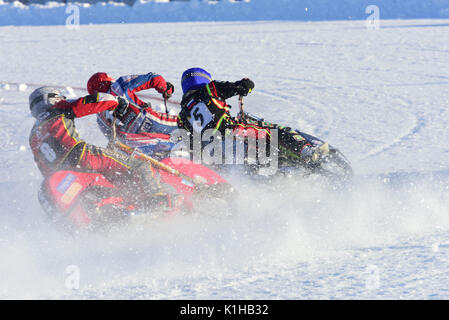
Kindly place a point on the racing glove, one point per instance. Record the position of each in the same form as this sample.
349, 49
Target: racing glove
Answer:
122, 107
168, 91
244, 86
146, 105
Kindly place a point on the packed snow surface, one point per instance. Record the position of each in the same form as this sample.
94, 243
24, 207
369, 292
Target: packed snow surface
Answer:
380, 96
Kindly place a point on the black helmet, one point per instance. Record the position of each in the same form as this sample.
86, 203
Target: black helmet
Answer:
42, 99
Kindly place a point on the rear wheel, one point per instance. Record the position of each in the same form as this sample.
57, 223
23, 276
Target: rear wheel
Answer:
214, 200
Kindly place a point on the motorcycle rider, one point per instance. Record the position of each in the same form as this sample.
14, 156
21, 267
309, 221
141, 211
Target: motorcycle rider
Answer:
56, 144
204, 107
140, 117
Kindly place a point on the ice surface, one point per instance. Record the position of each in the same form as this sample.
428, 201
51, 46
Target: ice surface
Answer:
380, 96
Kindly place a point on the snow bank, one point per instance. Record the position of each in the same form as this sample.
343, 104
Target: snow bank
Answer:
57, 13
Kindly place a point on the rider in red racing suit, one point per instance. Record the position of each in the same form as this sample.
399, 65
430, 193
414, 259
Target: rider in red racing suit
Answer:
140, 117
56, 144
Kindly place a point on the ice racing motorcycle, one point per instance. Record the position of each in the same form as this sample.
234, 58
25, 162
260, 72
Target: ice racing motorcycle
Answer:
332, 164
88, 201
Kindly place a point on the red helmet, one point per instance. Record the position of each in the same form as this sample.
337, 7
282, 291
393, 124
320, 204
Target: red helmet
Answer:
99, 82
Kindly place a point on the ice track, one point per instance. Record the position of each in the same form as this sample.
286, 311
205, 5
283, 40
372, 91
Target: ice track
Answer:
378, 95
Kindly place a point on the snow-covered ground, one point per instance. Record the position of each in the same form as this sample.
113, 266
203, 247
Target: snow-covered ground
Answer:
380, 96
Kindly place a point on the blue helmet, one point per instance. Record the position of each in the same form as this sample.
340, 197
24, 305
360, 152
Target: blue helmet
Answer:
194, 78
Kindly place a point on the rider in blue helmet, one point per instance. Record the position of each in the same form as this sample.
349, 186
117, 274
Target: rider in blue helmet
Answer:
204, 101
204, 106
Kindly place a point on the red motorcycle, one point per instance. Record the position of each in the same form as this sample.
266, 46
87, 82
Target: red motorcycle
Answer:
84, 200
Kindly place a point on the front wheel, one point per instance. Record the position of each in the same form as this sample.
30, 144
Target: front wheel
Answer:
334, 166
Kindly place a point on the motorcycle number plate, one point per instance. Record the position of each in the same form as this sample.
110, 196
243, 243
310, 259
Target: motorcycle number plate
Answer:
200, 117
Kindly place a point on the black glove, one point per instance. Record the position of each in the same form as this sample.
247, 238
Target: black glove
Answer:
122, 107
169, 91
146, 105
244, 86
